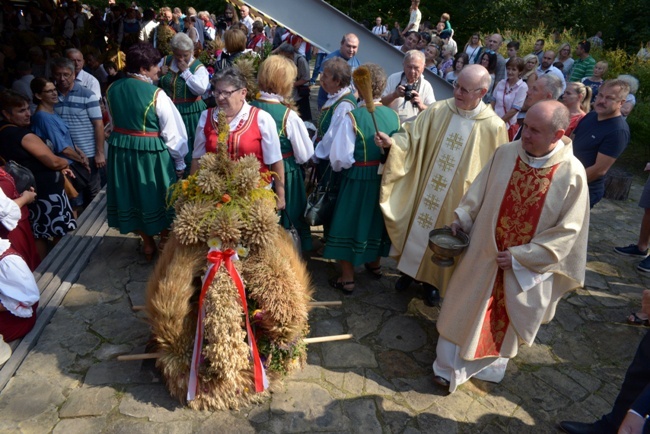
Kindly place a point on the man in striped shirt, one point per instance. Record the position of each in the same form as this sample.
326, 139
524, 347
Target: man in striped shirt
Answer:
79, 108
584, 66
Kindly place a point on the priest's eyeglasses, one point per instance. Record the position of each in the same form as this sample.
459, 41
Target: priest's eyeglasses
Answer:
462, 90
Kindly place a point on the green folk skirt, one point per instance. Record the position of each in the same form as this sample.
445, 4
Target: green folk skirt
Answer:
357, 232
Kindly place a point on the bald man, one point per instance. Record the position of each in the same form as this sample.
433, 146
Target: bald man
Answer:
246, 18
348, 52
430, 165
494, 42
527, 216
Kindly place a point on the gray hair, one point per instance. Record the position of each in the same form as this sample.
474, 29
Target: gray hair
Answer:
339, 69
182, 42
63, 62
232, 76
560, 118
553, 85
631, 81
72, 51
414, 53
286, 48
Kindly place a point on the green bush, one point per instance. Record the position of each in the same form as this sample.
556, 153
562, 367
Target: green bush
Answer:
639, 122
641, 70
527, 39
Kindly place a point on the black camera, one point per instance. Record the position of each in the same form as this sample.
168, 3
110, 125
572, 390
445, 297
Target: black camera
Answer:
408, 91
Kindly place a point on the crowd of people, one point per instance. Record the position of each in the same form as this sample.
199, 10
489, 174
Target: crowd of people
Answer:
515, 158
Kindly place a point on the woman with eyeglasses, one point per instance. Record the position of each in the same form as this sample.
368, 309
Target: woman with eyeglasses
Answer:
146, 150
185, 80
252, 130
49, 126
564, 56
275, 79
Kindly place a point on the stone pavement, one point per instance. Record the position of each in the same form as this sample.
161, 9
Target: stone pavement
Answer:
378, 382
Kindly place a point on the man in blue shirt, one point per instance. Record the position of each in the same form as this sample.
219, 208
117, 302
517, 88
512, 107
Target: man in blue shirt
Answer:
79, 108
348, 51
602, 135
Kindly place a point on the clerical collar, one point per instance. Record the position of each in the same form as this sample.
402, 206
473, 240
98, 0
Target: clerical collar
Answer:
470, 114
538, 162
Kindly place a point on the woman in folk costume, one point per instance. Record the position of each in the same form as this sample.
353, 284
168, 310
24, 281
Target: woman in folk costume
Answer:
146, 150
251, 130
21, 237
185, 80
19, 293
358, 234
335, 80
275, 79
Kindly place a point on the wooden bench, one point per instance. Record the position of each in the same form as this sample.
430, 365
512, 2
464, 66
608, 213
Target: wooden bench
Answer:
56, 275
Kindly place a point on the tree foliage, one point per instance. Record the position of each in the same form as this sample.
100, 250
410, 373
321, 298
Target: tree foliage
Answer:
623, 23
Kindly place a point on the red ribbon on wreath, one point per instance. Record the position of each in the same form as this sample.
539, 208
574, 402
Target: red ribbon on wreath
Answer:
216, 258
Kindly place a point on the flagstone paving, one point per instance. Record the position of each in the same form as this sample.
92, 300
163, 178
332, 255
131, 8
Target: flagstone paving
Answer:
380, 381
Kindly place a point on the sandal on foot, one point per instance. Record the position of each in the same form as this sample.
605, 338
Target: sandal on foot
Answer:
162, 242
374, 271
343, 286
635, 319
149, 253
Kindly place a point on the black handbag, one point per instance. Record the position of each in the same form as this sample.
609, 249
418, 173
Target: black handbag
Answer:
81, 178
293, 233
320, 204
23, 177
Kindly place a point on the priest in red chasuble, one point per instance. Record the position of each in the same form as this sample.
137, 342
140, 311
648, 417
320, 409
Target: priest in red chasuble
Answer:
527, 214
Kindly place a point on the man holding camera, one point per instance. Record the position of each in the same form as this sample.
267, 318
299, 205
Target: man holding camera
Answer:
407, 92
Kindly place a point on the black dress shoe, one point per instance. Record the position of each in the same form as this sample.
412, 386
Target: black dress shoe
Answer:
403, 282
431, 295
441, 381
580, 428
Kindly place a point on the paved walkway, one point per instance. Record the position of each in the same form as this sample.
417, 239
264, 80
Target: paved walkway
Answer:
379, 381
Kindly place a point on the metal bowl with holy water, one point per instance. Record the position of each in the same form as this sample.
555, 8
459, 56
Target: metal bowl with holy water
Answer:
445, 245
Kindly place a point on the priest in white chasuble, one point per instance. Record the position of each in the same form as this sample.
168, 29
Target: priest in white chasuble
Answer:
527, 215
431, 164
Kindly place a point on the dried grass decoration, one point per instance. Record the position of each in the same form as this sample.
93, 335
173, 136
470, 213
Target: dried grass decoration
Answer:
226, 211
363, 82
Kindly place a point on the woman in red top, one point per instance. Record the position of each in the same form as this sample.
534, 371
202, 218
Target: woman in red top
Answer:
577, 98
252, 131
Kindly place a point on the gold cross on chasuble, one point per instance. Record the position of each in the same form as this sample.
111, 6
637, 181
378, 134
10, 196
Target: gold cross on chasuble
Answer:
439, 182
446, 163
519, 215
455, 141
446, 157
